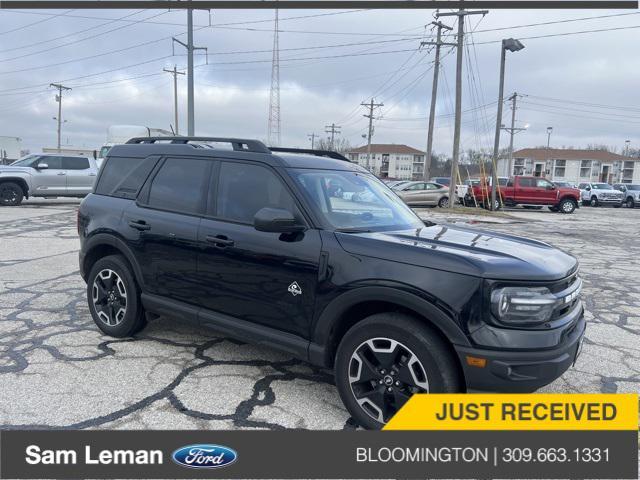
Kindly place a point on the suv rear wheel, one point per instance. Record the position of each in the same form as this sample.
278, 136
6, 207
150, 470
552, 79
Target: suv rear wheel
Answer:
386, 358
444, 202
11, 194
114, 297
594, 201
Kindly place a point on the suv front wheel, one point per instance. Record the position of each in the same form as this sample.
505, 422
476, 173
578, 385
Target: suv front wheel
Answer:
114, 297
386, 358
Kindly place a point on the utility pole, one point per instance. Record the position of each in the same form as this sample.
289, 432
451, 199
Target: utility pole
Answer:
190, 93
513, 130
175, 74
333, 129
312, 137
59, 100
461, 14
371, 105
434, 93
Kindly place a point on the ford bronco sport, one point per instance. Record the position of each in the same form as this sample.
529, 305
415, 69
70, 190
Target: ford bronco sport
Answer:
259, 243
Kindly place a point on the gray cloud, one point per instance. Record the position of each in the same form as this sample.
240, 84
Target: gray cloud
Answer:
232, 97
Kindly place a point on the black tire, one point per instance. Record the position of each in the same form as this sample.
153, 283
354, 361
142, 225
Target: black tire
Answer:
618, 205
443, 202
436, 365
630, 203
11, 194
585, 203
594, 201
112, 315
567, 205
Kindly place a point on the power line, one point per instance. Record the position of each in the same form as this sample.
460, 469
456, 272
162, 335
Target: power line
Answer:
22, 27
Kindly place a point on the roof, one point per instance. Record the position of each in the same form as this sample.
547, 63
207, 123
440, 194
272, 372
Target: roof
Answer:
569, 154
388, 148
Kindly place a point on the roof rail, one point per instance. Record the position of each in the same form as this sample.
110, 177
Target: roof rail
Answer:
238, 144
318, 153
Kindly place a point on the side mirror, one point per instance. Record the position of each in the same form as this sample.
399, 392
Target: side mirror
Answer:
276, 220
588, 189
42, 166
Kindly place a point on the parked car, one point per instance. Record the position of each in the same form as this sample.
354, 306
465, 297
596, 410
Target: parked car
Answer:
596, 194
532, 192
420, 194
631, 193
46, 175
250, 242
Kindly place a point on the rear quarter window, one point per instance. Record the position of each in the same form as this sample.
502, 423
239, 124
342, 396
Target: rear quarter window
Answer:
123, 176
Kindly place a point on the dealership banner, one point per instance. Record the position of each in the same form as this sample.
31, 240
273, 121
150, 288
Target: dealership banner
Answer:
607, 446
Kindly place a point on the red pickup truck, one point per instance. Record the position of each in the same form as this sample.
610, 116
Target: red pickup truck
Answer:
521, 190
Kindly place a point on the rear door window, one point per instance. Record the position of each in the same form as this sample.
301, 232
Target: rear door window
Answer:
75, 163
180, 184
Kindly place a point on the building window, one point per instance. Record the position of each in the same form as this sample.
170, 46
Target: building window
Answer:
518, 166
585, 169
627, 172
559, 168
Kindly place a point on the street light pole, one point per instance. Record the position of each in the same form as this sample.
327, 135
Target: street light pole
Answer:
513, 46
549, 130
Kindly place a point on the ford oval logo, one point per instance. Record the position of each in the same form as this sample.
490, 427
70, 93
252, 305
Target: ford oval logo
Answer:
204, 456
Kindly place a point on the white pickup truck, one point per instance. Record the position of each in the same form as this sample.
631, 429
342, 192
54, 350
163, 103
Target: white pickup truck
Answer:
46, 175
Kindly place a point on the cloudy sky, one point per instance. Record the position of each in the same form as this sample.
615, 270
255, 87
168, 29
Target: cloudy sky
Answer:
585, 85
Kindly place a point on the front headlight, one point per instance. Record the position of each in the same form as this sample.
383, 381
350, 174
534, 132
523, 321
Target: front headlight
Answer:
521, 305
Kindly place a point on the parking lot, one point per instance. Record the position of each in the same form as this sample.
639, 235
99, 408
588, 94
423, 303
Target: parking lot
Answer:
57, 370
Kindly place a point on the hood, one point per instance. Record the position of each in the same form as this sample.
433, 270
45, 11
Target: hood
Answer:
466, 251
608, 190
10, 169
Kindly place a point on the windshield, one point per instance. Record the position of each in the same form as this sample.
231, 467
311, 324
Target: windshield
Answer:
26, 161
354, 201
602, 186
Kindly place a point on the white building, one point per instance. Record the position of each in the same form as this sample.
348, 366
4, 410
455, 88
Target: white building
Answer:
390, 160
574, 166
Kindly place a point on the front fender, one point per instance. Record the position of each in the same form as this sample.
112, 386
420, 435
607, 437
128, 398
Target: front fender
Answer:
319, 349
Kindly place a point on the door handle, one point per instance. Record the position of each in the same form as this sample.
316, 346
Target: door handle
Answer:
139, 225
220, 241
92, 174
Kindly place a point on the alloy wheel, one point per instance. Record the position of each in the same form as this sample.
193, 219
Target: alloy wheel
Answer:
567, 207
383, 374
109, 297
8, 196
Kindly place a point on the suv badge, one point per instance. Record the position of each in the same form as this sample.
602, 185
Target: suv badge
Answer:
294, 289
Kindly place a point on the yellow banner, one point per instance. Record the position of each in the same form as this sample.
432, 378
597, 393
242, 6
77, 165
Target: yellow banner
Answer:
543, 411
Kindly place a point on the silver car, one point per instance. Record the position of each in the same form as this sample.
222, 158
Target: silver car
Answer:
429, 194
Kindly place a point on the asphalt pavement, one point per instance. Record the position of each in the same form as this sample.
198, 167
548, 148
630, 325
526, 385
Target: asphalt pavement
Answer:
58, 371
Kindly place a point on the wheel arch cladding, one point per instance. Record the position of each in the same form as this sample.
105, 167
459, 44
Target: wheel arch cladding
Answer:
103, 245
356, 305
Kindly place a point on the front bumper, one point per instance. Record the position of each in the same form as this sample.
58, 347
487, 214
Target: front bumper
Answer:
612, 201
521, 371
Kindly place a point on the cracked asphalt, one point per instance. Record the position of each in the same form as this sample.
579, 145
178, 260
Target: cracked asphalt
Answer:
58, 371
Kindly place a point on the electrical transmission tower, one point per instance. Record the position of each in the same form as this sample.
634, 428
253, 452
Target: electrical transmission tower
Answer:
274, 136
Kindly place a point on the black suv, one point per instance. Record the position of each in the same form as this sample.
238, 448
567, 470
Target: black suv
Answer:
309, 253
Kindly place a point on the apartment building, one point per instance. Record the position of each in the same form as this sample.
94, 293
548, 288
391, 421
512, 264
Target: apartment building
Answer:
571, 165
396, 161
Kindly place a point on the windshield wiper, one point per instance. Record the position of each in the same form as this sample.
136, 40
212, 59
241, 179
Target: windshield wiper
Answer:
353, 230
